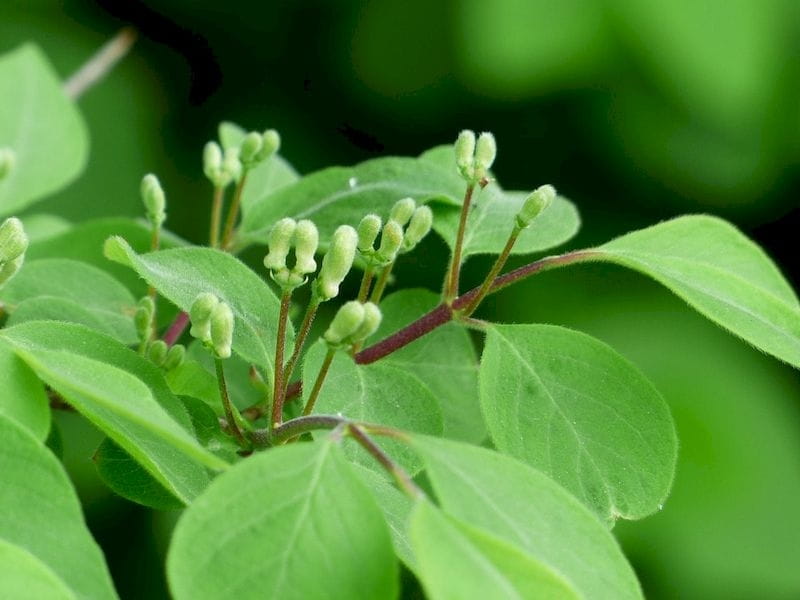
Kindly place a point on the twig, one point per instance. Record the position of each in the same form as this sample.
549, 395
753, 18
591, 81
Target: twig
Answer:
100, 64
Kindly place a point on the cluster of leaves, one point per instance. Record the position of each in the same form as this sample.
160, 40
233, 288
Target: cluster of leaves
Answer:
498, 477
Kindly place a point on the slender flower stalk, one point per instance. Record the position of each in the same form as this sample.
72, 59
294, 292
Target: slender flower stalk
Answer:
323, 373
233, 212
277, 390
380, 285
366, 281
498, 265
216, 216
454, 270
299, 341
231, 411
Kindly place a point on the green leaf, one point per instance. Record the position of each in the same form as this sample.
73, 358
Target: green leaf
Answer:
572, 407
22, 575
40, 514
376, 393
342, 195
292, 522
266, 177
492, 216
459, 562
109, 303
22, 395
40, 227
190, 378
444, 360
120, 404
181, 274
41, 125
721, 274
84, 242
524, 507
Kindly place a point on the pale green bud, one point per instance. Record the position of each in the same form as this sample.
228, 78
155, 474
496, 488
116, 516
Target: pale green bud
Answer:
13, 239
538, 200
270, 144
306, 240
157, 352
175, 357
10, 268
231, 165
391, 240
222, 330
345, 323
485, 153
250, 148
369, 324
279, 244
212, 162
200, 314
8, 160
143, 319
418, 228
402, 210
154, 200
337, 262
368, 230
465, 154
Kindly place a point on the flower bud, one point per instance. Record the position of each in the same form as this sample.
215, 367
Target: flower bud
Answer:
143, 319
8, 160
485, 153
345, 323
418, 228
200, 314
231, 165
270, 144
391, 240
306, 240
465, 151
155, 202
280, 242
157, 352
538, 200
13, 240
369, 324
9, 269
222, 330
337, 262
250, 148
402, 210
175, 357
368, 230
212, 161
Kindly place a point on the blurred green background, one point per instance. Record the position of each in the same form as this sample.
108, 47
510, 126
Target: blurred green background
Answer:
637, 110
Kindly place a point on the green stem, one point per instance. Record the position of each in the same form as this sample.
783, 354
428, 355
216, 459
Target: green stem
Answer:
280, 344
400, 475
486, 286
323, 372
216, 216
233, 213
230, 410
300, 340
451, 282
366, 280
380, 286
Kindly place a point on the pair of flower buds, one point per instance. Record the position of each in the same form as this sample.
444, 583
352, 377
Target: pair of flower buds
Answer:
157, 350
212, 323
474, 157
13, 244
394, 239
221, 168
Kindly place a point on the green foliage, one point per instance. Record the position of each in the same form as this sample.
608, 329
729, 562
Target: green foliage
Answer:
310, 465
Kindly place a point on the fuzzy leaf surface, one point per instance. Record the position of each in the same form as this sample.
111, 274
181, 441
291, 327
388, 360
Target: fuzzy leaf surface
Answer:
41, 126
572, 407
41, 515
719, 272
527, 509
22, 395
458, 561
293, 522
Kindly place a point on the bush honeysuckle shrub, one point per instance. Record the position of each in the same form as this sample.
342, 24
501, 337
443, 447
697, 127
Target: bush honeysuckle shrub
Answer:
317, 466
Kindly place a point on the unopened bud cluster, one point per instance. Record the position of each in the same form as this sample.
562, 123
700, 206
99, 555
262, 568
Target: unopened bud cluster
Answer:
285, 235
394, 239
474, 157
535, 204
165, 357
353, 323
154, 199
258, 147
8, 160
212, 324
13, 244
221, 168
336, 263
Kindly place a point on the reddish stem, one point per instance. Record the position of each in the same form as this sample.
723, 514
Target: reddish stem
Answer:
176, 329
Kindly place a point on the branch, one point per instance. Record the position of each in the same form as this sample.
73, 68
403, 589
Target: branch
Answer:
99, 65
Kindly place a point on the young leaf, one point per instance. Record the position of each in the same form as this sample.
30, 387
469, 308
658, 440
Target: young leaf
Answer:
457, 561
342, 195
444, 360
41, 126
42, 226
720, 273
293, 522
22, 396
377, 393
94, 290
576, 410
41, 515
25, 576
181, 274
524, 507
